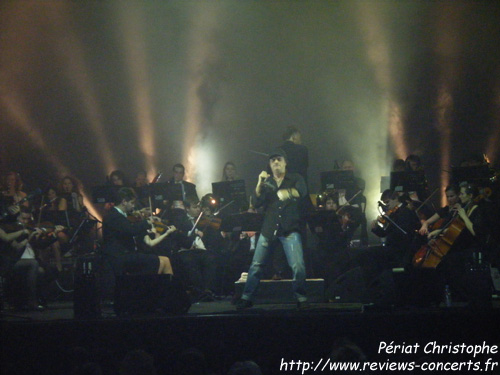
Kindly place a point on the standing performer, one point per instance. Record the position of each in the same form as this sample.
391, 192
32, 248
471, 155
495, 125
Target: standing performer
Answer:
279, 195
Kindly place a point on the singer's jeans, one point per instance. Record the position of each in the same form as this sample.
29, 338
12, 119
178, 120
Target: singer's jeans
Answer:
292, 245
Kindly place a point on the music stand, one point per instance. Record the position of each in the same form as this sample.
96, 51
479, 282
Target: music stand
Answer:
479, 175
104, 193
337, 180
407, 181
244, 222
173, 192
228, 191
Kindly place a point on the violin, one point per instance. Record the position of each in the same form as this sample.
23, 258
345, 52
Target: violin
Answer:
210, 222
161, 226
382, 218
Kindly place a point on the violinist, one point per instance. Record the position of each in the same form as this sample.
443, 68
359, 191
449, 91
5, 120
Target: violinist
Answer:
398, 226
27, 270
193, 252
334, 229
12, 194
119, 239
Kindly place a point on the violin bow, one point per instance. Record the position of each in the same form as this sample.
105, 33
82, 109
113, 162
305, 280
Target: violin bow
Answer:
195, 224
427, 200
349, 201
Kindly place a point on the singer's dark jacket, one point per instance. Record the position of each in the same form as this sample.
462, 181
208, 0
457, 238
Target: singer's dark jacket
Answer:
281, 217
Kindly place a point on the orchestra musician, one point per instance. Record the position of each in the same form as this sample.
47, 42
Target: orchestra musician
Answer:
445, 213
279, 194
466, 235
70, 191
50, 211
119, 236
29, 273
334, 228
188, 188
398, 226
194, 251
118, 178
359, 200
229, 172
12, 194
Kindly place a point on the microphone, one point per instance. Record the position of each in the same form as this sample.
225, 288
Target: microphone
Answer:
267, 183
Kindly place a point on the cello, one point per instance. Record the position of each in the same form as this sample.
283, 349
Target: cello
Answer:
432, 253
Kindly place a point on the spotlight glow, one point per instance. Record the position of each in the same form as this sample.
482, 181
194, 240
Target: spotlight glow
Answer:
447, 48
198, 156
71, 53
494, 141
131, 28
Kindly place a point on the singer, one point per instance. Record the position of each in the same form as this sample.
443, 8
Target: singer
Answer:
279, 194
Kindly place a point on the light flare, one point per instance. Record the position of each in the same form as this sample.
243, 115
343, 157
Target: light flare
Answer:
131, 28
197, 160
71, 53
447, 49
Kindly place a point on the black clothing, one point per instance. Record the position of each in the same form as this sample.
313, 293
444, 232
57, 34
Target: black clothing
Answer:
188, 189
118, 233
399, 244
297, 160
198, 265
281, 217
119, 245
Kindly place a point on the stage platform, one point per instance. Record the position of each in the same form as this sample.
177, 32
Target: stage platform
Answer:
43, 342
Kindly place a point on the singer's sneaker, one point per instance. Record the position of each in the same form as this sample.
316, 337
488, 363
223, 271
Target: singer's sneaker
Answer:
243, 304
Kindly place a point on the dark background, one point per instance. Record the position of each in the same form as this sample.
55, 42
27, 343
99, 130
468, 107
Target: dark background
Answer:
88, 87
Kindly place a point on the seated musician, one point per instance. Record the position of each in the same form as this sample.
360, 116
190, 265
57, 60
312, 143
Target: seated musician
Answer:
54, 211
12, 194
119, 236
28, 272
188, 188
229, 172
334, 229
398, 226
467, 235
193, 250
70, 191
445, 213
118, 178
357, 201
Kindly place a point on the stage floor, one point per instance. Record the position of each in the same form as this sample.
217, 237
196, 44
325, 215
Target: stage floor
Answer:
39, 342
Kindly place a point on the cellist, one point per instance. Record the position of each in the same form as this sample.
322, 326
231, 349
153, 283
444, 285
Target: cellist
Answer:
446, 213
467, 246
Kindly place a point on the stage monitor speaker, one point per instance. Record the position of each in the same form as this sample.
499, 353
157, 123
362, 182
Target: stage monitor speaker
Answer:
142, 294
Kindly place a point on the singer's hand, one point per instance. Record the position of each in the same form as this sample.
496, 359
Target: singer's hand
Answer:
283, 194
262, 177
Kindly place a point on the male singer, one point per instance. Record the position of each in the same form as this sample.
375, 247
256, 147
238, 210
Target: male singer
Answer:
279, 195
